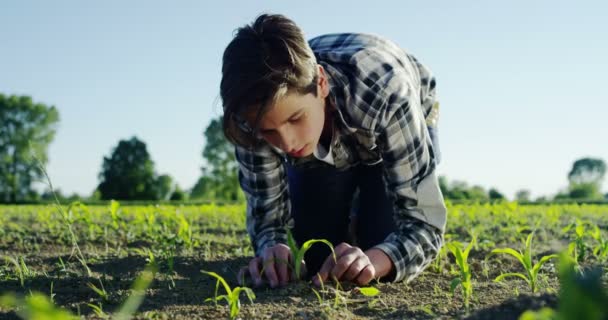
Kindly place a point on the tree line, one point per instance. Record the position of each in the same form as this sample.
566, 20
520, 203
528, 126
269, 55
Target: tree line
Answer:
128, 172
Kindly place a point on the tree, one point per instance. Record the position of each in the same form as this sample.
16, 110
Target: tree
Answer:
26, 128
495, 194
587, 170
128, 174
587, 191
219, 178
586, 177
459, 190
178, 194
522, 195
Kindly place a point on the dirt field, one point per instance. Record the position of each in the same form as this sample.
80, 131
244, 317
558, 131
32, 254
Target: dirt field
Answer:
49, 250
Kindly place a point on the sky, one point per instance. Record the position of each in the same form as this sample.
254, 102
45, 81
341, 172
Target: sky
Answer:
521, 83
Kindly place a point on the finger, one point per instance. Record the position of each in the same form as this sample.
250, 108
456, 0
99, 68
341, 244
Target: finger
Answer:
345, 262
341, 249
269, 270
329, 263
355, 268
366, 275
254, 271
282, 260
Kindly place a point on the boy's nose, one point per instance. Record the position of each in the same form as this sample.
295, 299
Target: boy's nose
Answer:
288, 142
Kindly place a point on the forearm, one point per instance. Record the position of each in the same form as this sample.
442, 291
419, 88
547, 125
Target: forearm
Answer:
383, 265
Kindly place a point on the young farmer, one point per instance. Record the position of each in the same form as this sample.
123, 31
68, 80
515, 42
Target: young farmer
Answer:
343, 125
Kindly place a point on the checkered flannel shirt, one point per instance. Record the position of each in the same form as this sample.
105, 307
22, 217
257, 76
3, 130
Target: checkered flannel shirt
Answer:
384, 100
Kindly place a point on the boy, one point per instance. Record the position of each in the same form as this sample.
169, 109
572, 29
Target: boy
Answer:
342, 125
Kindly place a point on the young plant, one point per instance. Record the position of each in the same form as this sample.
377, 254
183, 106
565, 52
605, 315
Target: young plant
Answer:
582, 295
577, 248
67, 217
38, 306
464, 278
298, 253
130, 306
600, 250
525, 259
35, 306
23, 272
231, 296
102, 293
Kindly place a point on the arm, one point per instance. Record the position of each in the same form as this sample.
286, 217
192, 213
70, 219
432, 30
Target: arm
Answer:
412, 183
263, 180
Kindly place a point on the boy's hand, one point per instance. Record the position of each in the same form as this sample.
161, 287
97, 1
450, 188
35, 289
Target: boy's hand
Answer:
351, 264
354, 265
272, 265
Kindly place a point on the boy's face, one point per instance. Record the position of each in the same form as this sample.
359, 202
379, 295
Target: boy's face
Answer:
295, 123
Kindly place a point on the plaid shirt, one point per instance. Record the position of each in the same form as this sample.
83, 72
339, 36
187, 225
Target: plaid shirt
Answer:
384, 100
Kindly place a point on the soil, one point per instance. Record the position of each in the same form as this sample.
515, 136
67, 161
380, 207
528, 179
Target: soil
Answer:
181, 294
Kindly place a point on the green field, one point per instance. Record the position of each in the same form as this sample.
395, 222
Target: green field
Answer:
86, 260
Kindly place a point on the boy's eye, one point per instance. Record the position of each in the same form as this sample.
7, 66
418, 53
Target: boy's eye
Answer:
298, 118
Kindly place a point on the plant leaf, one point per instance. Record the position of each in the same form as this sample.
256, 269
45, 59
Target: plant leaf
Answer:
454, 284
369, 291
512, 274
220, 279
542, 261
512, 252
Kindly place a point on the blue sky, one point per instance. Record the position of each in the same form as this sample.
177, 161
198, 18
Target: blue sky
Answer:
521, 83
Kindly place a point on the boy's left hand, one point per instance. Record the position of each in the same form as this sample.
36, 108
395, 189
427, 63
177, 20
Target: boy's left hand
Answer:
351, 264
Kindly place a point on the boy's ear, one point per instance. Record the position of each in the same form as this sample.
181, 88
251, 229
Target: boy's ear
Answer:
322, 82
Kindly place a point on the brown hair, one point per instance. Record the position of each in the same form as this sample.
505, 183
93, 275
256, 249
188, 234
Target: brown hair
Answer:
264, 61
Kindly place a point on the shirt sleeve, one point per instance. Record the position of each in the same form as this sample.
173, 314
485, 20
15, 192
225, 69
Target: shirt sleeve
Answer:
263, 180
412, 184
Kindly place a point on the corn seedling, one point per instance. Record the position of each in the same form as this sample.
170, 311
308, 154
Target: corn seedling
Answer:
130, 306
52, 295
464, 278
231, 296
38, 306
582, 295
600, 250
98, 310
35, 306
577, 248
439, 263
21, 269
298, 253
100, 292
525, 259
68, 221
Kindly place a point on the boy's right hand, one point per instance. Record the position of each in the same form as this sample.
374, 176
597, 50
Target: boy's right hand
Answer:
273, 265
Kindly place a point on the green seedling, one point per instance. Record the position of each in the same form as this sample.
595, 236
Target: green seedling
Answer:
298, 253
98, 310
582, 295
52, 295
577, 248
464, 278
231, 296
67, 216
600, 250
130, 306
21, 269
525, 259
102, 293
35, 306
439, 263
